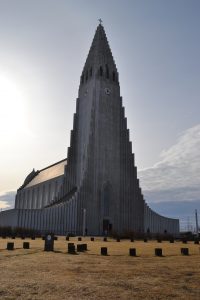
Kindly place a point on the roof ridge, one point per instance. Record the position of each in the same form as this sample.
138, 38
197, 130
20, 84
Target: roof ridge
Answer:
53, 165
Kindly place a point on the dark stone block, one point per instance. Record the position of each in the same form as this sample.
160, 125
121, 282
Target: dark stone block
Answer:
55, 238
80, 248
79, 239
84, 247
13, 237
145, 240
184, 241
33, 237
49, 242
158, 251
105, 239
23, 237
71, 248
184, 251
26, 245
10, 246
132, 252
132, 240
171, 241
92, 239
67, 238
159, 240
104, 251
196, 242
43, 238
4, 237
118, 240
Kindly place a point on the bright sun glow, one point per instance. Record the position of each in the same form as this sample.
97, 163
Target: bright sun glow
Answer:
12, 109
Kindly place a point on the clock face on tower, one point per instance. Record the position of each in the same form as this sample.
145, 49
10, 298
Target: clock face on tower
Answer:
107, 91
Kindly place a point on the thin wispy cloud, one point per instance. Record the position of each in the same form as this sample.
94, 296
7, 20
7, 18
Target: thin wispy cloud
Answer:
177, 175
7, 200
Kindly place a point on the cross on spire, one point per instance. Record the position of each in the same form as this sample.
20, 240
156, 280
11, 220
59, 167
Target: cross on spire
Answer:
100, 21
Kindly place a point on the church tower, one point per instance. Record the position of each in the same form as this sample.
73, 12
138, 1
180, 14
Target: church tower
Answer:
94, 190
100, 161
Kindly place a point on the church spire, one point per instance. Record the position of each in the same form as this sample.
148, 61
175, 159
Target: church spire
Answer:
100, 62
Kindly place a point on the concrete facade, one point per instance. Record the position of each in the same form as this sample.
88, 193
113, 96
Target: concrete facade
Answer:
97, 184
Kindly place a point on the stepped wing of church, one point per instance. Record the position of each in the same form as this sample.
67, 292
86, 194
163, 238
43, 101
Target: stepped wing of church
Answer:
95, 189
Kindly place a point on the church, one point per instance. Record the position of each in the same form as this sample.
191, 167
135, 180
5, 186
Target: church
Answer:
95, 189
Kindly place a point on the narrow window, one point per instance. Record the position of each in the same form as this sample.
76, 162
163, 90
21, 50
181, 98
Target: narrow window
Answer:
86, 75
106, 199
56, 187
82, 79
113, 76
43, 196
91, 72
107, 72
49, 193
101, 71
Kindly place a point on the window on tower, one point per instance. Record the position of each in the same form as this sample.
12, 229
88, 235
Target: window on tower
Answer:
107, 72
113, 76
91, 72
101, 71
106, 197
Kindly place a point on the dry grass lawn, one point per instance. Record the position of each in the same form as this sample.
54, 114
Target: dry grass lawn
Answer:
35, 274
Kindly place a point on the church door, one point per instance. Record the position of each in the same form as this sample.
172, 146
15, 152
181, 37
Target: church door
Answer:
106, 201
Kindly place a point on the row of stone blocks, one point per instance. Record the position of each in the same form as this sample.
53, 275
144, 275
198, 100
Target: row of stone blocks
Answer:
10, 246
22, 237
105, 239
80, 248
132, 251
104, 250
71, 247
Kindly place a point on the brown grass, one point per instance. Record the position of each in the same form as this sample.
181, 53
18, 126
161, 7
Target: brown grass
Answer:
35, 274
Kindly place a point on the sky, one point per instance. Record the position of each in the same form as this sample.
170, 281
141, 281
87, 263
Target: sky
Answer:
156, 47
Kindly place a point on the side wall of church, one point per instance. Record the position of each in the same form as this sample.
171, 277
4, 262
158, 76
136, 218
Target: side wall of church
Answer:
155, 223
9, 218
38, 196
60, 219
63, 219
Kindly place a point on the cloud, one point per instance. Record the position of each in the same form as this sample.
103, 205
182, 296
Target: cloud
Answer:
174, 194
176, 177
7, 200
